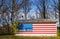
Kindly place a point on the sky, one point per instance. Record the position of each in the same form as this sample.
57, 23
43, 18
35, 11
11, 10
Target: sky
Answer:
49, 3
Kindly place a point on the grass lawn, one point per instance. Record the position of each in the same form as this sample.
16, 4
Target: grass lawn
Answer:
21, 37
26, 37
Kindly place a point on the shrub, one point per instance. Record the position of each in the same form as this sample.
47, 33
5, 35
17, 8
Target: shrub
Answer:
8, 30
14, 27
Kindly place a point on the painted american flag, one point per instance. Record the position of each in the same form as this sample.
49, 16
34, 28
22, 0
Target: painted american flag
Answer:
40, 28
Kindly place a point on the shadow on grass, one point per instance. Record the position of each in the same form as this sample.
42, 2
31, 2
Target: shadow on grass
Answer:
7, 37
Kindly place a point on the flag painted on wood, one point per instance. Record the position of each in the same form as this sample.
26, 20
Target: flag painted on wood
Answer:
41, 28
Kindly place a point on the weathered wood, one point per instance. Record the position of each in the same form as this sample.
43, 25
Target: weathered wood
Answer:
41, 20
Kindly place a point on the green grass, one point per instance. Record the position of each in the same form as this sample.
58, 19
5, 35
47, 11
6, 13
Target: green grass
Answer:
58, 31
27, 37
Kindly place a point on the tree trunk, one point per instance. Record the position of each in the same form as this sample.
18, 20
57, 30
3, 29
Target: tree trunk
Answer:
59, 12
44, 9
12, 13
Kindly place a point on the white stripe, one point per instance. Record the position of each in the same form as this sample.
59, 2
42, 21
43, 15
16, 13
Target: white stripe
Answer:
36, 34
43, 26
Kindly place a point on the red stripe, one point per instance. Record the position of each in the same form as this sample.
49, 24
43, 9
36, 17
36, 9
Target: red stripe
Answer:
37, 33
40, 31
44, 29
44, 25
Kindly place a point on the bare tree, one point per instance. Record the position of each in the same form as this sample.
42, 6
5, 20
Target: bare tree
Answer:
41, 4
26, 7
16, 7
55, 8
59, 11
44, 9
